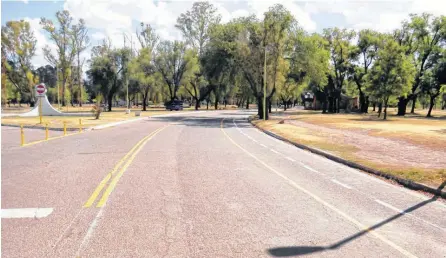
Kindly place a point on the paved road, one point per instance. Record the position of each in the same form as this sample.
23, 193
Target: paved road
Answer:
203, 185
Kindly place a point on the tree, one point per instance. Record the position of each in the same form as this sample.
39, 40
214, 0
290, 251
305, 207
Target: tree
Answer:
107, 65
391, 73
363, 56
433, 81
195, 24
81, 42
66, 48
18, 48
420, 37
171, 62
142, 72
147, 37
308, 59
341, 53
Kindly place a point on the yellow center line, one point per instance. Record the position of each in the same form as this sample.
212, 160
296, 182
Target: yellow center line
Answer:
104, 181
115, 180
318, 199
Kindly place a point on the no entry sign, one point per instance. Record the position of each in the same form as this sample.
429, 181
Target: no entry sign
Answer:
40, 90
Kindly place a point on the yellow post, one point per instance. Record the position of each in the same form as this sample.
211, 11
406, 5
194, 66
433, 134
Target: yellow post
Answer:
80, 125
22, 136
64, 127
40, 109
46, 131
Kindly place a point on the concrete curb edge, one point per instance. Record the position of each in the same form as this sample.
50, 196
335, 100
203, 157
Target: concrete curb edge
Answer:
404, 182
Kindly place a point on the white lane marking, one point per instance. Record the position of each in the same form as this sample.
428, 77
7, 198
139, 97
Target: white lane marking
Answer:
90, 230
310, 168
263, 145
341, 184
321, 201
254, 140
408, 214
290, 159
26, 213
273, 150
350, 170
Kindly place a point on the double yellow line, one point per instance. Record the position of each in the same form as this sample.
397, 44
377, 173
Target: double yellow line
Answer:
118, 171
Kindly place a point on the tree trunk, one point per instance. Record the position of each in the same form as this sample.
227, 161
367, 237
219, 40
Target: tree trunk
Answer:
414, 102
270, 106
431, 105
110, 102
385, 109
197, 103
207, 104
324, 106
380, 108
247, 103
260, 107
402, 103
144, 102
374, 106
284, 105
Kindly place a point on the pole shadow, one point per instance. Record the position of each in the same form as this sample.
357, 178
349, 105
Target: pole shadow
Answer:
303, 250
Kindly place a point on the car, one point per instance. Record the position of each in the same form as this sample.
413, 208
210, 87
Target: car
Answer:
174, 105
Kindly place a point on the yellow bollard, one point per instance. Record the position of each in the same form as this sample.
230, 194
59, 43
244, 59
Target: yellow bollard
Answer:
46, 131
64, 127
22, 136
80, 125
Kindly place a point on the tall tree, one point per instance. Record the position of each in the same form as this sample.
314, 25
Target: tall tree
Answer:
391, 73
341, 52
142, 72
106, 70
420, 36
363, 57
195, 24
433, 81
66, 48
18, 48
81, 42
171, 62
147, 37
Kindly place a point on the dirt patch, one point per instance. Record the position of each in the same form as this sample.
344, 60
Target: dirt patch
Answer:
381, 150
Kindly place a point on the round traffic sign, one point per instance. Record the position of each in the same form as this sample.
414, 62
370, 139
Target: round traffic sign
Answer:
40, 89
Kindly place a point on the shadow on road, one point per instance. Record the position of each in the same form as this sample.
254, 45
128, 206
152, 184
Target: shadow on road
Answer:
303, 250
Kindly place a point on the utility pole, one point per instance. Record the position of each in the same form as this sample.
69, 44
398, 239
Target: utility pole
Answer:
264, 87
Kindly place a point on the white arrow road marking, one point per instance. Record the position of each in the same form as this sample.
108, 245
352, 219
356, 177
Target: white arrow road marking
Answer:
26, 213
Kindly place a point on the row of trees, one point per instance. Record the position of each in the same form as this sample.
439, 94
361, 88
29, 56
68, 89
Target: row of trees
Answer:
243, 60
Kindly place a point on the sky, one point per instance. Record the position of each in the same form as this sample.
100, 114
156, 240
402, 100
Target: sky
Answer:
113, 18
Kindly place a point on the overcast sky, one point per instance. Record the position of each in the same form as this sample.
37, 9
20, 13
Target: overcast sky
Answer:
112, 18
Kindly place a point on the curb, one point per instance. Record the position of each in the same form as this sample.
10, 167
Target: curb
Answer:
404, 182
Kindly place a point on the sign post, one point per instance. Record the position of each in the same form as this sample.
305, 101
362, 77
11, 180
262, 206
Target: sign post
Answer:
40, 93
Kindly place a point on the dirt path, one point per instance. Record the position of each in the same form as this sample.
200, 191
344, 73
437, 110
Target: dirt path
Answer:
379, 149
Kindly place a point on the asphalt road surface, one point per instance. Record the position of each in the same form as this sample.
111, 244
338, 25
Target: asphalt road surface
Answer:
202, 185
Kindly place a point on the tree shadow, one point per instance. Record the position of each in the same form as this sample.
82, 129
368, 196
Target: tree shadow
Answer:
303, 250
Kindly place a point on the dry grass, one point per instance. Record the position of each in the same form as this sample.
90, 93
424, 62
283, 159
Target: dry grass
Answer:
427, 133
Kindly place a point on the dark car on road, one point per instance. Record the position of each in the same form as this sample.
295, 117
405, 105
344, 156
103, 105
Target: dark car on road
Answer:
174, 105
